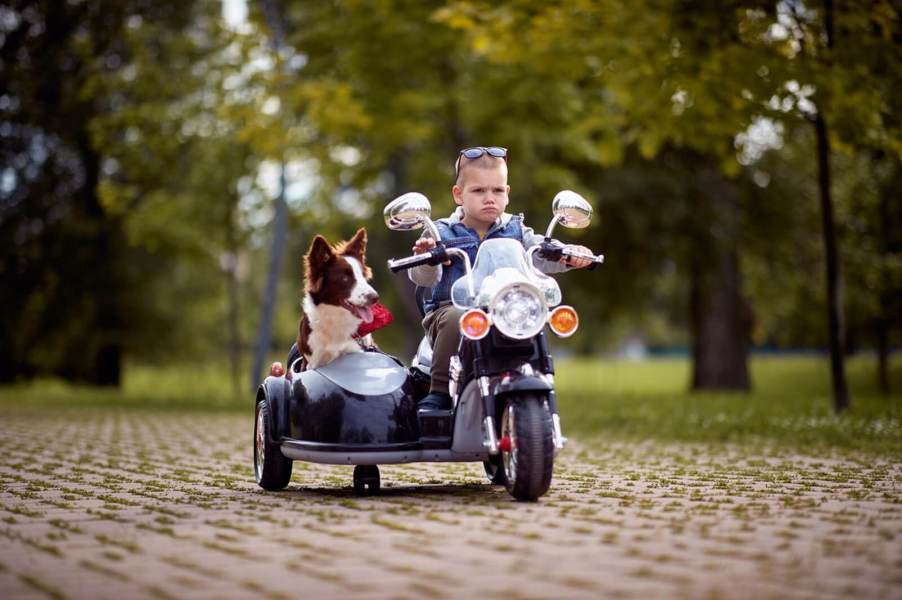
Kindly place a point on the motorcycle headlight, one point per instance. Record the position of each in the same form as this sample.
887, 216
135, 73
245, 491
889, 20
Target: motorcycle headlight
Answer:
518, 311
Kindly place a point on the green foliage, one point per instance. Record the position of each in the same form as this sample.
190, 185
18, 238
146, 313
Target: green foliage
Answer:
65, 70
179, 123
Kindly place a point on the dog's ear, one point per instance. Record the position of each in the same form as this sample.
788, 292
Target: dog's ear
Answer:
357, 244
317, 256
320, 252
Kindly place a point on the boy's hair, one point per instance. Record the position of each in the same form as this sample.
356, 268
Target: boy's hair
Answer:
483, 162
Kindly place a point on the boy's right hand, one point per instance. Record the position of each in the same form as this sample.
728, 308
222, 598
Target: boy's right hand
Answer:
426, 244
423, 245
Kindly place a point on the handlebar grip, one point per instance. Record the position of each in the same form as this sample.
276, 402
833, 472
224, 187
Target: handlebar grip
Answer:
435, 256
595, 259
550, 251
554, 252
402, 264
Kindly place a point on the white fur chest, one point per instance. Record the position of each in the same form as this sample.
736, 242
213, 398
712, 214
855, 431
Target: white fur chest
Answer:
331, 332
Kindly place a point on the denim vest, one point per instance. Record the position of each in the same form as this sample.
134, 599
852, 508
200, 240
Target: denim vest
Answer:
458, 235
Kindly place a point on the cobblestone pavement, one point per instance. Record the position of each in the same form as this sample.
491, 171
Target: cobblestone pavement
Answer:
127, 504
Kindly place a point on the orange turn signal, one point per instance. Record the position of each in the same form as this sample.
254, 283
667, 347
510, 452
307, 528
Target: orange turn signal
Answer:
563, 321
474, 324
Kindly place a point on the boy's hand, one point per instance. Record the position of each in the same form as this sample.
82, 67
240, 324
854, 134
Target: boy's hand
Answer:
574, 261
425, 245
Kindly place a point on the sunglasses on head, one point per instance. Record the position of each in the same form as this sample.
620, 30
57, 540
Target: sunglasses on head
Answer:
477, 151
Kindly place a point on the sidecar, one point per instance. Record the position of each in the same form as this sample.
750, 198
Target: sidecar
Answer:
360, 409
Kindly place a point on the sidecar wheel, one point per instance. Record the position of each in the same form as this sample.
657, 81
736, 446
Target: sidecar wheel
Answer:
271, 469
529, 459
494, 470
366, 480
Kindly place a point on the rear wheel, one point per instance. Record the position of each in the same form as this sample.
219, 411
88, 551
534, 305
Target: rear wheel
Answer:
527, 447
271, 469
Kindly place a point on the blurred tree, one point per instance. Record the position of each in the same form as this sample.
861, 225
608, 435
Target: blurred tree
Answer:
64, 255
844, 65
184, 116
275, 23
102, 103
141, 145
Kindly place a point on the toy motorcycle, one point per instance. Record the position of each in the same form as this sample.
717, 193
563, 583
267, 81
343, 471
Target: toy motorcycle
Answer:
361, 409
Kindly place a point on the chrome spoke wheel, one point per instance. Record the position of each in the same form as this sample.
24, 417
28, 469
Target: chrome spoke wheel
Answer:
259, 445
271, 469
527, 447
509, 459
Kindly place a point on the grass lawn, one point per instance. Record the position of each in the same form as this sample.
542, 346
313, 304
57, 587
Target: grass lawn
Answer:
790, 404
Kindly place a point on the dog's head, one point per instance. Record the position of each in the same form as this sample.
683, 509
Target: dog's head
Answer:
338, 275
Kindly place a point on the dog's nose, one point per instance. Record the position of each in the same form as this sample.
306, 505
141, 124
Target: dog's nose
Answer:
371, 297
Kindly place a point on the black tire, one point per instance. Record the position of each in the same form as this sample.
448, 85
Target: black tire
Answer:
528, 465
366, 480
494, 470
271, 469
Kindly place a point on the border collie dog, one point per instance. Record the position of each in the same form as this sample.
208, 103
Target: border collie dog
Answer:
337, 299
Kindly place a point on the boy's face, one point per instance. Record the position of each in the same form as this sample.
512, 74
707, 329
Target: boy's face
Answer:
483, 194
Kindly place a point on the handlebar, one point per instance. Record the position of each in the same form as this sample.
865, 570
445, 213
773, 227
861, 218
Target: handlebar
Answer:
554, 252
435, 256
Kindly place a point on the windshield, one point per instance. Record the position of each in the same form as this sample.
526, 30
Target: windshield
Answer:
500, 262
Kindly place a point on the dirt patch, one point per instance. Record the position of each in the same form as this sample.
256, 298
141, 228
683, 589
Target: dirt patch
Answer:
137, 504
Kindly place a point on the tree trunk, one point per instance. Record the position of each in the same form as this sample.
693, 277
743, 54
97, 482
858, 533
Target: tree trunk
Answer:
890, 226
883, 354
272, 280
277, 38
233, 344
841, 399
719, 328
410, 315
719, 315
105, 326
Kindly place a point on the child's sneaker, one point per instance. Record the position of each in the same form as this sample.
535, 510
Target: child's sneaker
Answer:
435, 401
435, 420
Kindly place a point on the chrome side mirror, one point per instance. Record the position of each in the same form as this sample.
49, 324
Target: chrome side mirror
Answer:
570, 210
409, 211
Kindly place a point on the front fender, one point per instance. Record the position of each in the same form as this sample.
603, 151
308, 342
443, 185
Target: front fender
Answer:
521, 383
276, 392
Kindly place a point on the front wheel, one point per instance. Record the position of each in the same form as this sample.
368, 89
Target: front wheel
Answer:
494, 470
527, 447
271, 469
366, 480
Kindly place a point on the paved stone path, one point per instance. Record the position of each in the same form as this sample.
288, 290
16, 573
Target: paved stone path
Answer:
137, 504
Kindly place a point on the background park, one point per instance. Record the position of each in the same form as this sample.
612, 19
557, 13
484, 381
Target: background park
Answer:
734, 392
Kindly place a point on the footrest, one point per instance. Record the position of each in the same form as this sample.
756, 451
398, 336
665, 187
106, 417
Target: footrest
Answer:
435, 428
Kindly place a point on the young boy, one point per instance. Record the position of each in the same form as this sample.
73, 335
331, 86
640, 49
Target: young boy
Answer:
481, 194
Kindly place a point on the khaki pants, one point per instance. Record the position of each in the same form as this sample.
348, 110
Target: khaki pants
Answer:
443, 331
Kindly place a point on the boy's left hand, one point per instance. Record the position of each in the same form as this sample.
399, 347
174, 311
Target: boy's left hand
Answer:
575, 262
